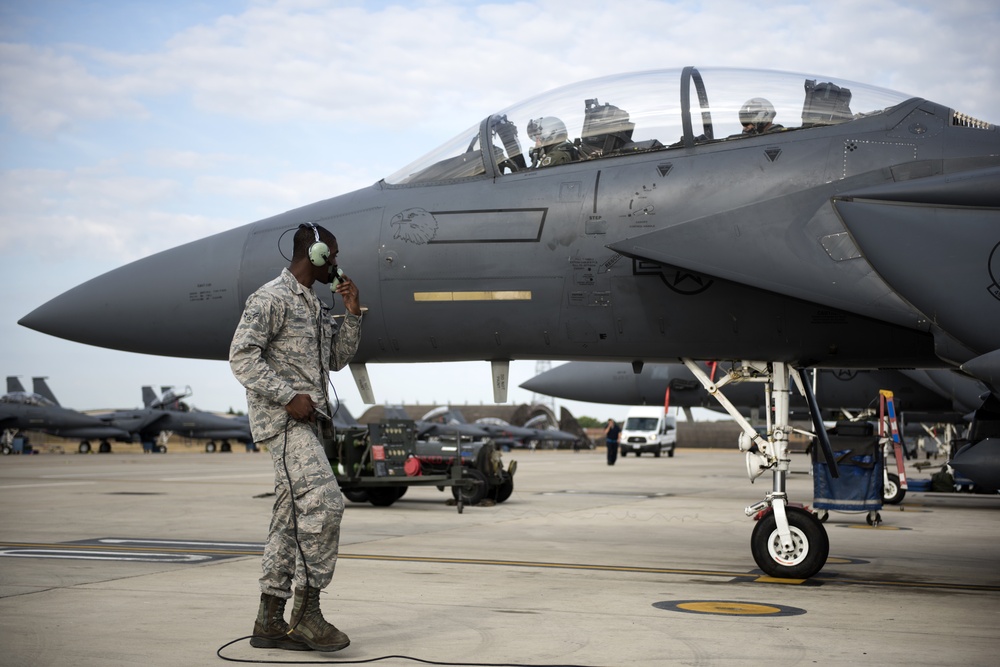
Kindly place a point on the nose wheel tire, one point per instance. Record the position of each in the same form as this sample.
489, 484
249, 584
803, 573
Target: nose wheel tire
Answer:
810, 545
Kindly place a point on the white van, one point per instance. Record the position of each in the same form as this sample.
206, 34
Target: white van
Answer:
648, 429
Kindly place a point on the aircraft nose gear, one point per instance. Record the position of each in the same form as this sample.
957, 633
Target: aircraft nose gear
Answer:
788, 541
807, 552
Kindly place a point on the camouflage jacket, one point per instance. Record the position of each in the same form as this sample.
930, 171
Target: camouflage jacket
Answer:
286, 344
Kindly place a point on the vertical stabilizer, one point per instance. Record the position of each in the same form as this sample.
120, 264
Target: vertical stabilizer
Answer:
41, 388
14, 385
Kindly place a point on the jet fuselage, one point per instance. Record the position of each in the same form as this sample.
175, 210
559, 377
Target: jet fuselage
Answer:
712, 248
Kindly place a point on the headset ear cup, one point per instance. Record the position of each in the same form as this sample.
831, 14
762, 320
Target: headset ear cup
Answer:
319, 253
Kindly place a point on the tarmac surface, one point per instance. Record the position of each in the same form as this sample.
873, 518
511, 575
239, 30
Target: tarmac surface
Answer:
130, 559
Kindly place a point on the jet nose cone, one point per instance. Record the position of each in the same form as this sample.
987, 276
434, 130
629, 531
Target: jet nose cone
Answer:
167, 304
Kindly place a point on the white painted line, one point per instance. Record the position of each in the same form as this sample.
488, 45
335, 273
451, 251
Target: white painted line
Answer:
185, 543
103, 555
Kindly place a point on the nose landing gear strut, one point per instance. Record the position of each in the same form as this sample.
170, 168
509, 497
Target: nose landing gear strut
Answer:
788, 542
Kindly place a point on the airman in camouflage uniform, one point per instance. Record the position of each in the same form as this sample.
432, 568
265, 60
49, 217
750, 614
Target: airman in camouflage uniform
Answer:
283, 350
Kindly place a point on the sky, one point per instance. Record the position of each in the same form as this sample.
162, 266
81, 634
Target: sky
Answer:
129, 128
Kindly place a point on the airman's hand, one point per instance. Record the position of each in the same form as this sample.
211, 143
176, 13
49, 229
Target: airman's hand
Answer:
348, 291
302, 408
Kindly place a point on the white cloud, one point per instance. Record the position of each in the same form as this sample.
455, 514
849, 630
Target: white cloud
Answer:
46, 92
93, 212
188, 160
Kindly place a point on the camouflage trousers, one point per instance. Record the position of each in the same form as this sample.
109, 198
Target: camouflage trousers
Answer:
304, 537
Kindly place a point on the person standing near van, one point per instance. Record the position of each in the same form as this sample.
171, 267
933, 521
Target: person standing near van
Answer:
611, 433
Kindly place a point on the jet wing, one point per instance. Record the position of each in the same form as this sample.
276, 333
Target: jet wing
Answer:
947, 226
142, 422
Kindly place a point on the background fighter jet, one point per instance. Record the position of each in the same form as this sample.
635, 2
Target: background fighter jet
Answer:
618, 383
20, 410
162, 416
671, 233
167, 414
448, 423
438, 424
500, 431
937, 396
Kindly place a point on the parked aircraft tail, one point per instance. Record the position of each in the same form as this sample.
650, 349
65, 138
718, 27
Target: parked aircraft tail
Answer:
14, 385
41, 387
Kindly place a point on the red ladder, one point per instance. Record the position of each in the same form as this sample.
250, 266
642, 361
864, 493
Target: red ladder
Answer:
887, 416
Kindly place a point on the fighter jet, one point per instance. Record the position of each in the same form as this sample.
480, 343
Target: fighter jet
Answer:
20, 410
168, 414
836, 389
691, 213
935, 397
498, 430
438, 424
162, 416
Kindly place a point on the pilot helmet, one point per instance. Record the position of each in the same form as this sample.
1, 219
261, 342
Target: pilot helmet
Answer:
757, 112
547, 130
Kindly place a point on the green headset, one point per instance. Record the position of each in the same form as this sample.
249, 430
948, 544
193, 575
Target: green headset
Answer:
319, 252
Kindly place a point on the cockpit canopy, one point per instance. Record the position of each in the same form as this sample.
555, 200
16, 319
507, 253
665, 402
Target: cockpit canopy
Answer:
25, 398
649, 111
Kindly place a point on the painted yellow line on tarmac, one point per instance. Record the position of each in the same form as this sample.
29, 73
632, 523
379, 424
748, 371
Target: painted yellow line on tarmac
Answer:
780, 580
752, 576
542, 564
748, 577
834, 560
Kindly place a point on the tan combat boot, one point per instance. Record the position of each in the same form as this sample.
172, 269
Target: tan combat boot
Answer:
309, 626
270, 629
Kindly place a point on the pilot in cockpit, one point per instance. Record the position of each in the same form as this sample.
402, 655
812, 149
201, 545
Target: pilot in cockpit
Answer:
757, 117
552, 144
